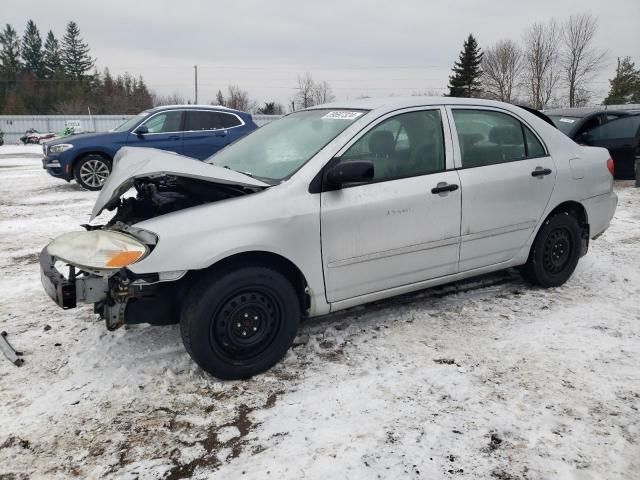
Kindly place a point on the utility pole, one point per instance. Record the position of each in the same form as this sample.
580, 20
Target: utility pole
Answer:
196, 83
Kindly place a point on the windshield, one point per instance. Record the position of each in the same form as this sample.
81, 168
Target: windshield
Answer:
564, 124
128, 125
280, 148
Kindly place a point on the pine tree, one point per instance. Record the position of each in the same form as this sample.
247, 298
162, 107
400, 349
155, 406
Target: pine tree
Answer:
220, 98
32, 50
9, 53
625, 86
52, 58
465, 81
75, 53
141, 99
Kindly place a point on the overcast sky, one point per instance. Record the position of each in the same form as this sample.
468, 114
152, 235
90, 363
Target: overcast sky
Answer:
360, 47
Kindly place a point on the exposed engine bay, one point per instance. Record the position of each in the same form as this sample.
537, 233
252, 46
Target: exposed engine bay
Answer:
164, 194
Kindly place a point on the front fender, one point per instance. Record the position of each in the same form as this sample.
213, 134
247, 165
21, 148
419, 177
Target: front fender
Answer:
276, 221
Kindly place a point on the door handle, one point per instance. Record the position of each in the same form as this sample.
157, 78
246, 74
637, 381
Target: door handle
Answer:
541, 172
222, 133
443, 187
174, 137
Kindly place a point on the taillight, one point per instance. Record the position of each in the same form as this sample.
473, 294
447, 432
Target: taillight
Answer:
610, 165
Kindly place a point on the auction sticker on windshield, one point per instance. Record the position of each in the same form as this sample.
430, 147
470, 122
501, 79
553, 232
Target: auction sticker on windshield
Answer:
567, 120
342, 115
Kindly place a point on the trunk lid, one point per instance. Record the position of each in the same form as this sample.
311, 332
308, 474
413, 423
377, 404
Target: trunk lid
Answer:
131, 163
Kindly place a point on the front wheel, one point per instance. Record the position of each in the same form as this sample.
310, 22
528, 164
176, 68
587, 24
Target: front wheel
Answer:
239, 323
92, 171
555, 252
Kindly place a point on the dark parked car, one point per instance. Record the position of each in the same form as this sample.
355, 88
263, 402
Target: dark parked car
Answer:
616, 130
191, 130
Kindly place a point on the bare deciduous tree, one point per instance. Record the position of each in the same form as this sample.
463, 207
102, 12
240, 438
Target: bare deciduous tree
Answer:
580, 59
501, 64
239, 99
305, 94
323, 93
173, 99
310, 93
541, 62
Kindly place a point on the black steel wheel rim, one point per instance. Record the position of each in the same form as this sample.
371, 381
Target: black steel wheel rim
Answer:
557, 250
246, 323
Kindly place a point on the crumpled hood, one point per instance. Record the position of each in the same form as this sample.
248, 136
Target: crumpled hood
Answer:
131, 163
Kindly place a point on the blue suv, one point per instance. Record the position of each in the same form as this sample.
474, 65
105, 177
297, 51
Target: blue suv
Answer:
194, 131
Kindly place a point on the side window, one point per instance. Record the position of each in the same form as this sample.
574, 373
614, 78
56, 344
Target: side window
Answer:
406, 145
487, 137
228, 121
625, 127
201, 120
165, 122
534, 147
589, 124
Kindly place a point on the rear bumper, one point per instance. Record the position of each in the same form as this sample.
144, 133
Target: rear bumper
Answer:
600, 211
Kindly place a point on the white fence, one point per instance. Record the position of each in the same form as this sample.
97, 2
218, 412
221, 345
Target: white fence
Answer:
14, 126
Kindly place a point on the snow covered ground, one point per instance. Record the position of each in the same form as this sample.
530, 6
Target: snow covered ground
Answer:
490, 378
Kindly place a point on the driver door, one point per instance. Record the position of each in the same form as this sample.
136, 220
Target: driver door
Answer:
165, 132
403, 226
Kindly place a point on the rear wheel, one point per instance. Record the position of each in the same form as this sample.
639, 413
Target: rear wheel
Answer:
92, 171
555, 252
240, 323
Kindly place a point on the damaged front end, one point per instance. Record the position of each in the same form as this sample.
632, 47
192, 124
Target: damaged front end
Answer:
96, 260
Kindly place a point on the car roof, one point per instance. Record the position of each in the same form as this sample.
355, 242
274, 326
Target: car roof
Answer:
581, 113
404, 102
194, 107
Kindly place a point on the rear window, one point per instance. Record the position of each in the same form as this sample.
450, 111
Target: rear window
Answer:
228, 121
564, 124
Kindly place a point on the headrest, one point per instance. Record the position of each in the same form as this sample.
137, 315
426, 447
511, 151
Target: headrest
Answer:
506, 135
382, 143
470, 138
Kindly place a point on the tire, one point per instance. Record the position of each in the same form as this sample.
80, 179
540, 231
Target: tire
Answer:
91, 171
555, 252
239, 323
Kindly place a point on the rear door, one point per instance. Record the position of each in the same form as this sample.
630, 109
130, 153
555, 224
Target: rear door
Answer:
204, 134
621, 137
507, 178
395, 230
164, 132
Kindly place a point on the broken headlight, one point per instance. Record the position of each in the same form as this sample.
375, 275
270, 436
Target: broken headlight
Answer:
100, 249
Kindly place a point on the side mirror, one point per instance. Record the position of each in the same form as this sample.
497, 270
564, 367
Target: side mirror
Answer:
355, 171
141, 130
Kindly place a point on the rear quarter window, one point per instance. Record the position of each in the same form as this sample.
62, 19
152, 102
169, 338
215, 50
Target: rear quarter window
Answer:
228, 120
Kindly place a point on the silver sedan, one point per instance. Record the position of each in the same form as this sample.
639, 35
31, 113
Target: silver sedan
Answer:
325, 209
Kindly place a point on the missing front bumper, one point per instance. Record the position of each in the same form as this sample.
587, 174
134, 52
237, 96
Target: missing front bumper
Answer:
68, 291
118, 299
